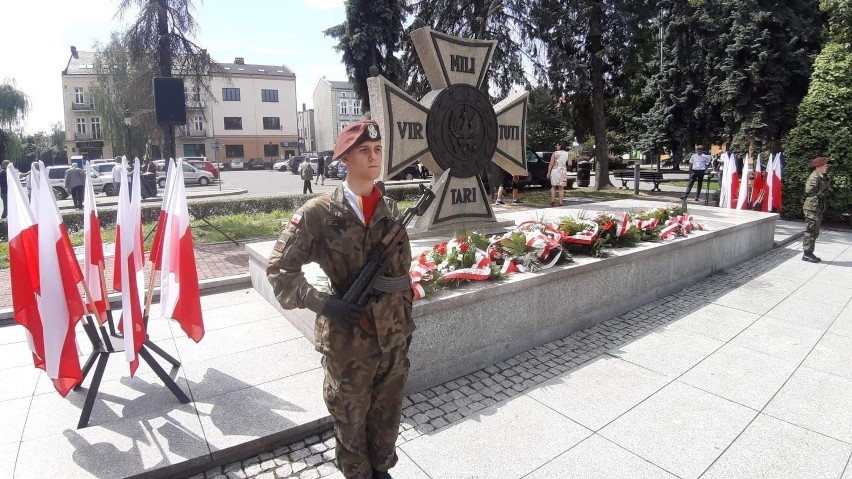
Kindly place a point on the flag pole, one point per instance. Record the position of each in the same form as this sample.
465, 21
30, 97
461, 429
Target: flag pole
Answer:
149, 298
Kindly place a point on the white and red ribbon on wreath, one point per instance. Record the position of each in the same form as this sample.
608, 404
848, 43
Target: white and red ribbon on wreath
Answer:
645, 225
586, 237
541, 237
623, 226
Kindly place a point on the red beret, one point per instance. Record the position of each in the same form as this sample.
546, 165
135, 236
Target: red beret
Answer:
355, 134
819, 161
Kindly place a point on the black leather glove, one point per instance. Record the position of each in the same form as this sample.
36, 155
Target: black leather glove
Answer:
338, 309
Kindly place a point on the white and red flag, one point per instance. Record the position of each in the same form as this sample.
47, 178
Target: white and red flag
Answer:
129, 261
179, 296
93, 250
742, 195
773, 182
758, 189
725, 184
734, 180
157, 244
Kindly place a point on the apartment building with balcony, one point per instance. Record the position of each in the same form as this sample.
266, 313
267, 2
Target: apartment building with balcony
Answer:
83, 133
335, 107
252, 112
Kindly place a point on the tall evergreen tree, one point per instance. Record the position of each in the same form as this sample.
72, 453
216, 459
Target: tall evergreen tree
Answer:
545, 125
769, 46
824, 124
369, 37
164, 31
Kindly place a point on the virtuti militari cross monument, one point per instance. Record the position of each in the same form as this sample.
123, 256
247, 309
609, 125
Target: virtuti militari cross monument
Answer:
454, 130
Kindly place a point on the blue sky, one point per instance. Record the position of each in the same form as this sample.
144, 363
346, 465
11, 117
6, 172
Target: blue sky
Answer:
36, 47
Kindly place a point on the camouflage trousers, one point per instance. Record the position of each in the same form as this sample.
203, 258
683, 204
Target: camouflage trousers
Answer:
813, 221
364, 398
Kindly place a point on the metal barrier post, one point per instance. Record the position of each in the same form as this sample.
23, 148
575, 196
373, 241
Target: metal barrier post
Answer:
636, 178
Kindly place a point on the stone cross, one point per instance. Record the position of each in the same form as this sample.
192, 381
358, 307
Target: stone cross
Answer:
454, 130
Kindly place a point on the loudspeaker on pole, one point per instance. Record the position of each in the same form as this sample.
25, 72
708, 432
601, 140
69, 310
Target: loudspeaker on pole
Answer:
169, 101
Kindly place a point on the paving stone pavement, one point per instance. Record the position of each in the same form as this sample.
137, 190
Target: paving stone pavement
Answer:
442, 407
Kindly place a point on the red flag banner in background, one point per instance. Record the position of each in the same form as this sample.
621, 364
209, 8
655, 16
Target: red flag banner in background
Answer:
157, 244
758, 193
773, 181
179, 296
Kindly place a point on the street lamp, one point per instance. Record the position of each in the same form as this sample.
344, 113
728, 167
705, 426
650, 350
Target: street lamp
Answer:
128, 120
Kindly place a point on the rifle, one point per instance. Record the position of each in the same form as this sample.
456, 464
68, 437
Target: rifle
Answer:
371, 276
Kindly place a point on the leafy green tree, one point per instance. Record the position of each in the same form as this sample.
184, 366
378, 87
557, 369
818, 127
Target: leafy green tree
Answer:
545, 125
124, 86
14, 105
163, 33
370, 36
824, 128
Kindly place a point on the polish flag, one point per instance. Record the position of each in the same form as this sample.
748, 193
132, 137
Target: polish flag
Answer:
116, 265
757, 189
60, 304
742, 195
773, 182
725, 183
180, 299
24, 264
93, 249
734, 183
157, 245
129, 256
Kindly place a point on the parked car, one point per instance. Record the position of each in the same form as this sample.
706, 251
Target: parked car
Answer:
191, 175
331, 169
56, 177
256, 164
201, 163
236, 163
295, 162
105, 171
537, 165
281, 166
410, 172
341, 170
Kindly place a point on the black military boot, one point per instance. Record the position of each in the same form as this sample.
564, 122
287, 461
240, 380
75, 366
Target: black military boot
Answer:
810, 257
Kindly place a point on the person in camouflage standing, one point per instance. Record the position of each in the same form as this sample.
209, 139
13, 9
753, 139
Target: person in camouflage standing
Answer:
365, 348
816, 189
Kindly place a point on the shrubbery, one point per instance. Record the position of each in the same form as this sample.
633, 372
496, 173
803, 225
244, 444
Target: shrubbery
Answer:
824, 128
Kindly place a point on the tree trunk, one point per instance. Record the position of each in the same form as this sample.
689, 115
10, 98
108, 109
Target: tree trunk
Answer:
598, 113
164, 52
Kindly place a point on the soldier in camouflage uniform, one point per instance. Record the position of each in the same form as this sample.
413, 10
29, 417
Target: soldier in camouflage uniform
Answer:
816, 189
365, 349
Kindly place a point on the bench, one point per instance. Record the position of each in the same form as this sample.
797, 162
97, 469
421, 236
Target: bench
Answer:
627, 175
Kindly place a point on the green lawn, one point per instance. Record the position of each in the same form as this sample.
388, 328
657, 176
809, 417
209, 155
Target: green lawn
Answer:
714, 185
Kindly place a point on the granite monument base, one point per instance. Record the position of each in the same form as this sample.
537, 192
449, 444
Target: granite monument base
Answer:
479, 324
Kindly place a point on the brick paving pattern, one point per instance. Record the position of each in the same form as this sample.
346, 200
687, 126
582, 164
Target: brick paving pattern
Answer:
465, 397
213, 260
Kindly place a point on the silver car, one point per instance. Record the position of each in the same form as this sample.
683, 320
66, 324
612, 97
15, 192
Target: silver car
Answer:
191, 175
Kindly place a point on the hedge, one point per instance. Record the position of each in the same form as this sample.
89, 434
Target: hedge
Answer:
214, 207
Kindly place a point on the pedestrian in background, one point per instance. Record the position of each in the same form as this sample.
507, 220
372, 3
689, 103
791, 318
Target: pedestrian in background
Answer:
3, 185
557, 171
320, 170
75, 178
307, 172
510, 182
364, 348
816, 189
698, 164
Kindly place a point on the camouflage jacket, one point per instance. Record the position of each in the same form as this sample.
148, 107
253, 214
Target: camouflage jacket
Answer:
816, 189
327, 231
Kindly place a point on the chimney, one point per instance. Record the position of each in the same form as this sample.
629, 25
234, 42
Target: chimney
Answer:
74, 52
240, 61
303, 107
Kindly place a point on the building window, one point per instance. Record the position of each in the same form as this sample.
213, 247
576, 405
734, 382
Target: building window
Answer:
341, 126
233, 123
81, 125
199, 123
78, 95
269, 95
344, 106
231, 94
193, 95
234, 151
96, 128
270, 150
343, 94
356, 107
271, 123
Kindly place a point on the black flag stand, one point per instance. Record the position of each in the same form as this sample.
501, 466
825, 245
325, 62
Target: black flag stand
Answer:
102, 347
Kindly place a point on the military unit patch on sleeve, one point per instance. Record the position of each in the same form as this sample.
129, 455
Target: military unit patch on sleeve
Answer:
279, 246
296, 219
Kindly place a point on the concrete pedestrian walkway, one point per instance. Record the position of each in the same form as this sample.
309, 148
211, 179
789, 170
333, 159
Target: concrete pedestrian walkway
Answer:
747, 374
